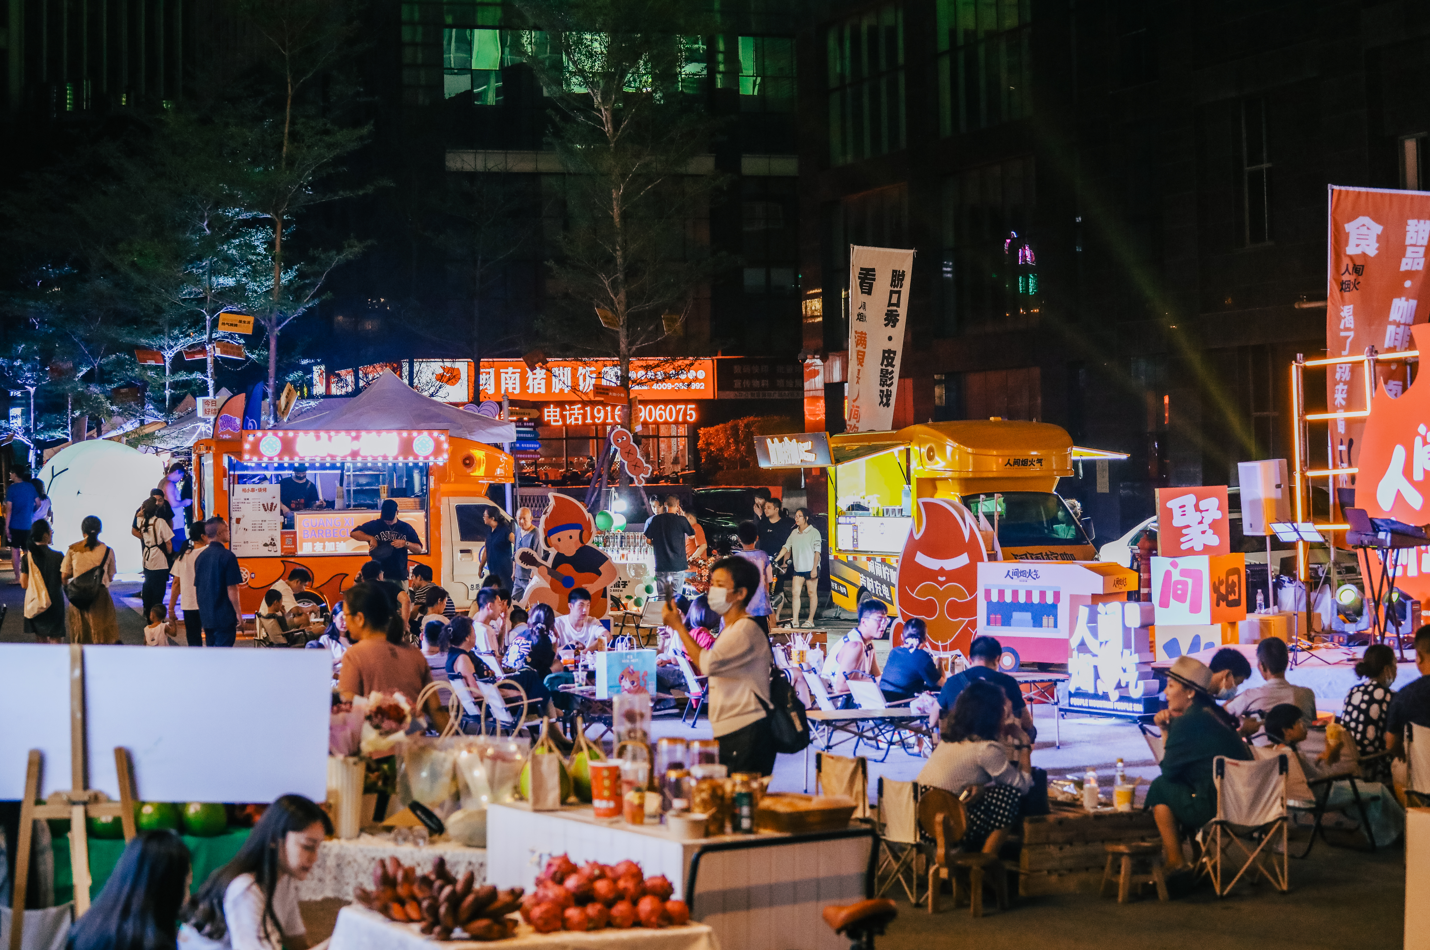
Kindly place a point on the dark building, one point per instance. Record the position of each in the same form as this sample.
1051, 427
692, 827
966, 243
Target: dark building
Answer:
1119, 207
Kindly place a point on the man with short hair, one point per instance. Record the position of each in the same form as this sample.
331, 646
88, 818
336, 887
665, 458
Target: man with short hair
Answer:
667, 532
983, 654
1411, 705
853, 657
1272, 657
216, 579
296, 493
576, 627
488, 618
389, 542
20, 503
527, 538
762, 495
1229, 670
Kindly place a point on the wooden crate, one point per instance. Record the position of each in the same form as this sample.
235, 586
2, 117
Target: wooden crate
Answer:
1063, 852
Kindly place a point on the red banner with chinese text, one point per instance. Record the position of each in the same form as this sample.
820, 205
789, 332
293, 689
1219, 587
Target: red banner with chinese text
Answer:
1376, 269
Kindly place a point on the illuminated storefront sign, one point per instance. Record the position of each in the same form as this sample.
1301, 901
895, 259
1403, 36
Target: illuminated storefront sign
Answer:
567, 380
601, 414
405, 445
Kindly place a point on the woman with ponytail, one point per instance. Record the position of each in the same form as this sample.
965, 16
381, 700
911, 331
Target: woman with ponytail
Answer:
1366, 706
96, 622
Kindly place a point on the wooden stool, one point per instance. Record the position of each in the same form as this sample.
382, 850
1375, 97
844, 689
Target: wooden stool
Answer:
1148, 851
977, 865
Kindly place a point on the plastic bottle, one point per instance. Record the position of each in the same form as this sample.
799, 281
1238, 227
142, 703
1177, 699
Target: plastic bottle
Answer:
1121, 774
907, 501
1260, 602
1089, 791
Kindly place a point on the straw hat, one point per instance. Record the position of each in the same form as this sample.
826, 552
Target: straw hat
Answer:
1192, 672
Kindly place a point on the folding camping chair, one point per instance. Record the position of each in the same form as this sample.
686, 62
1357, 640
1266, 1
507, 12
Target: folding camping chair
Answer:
819, 691
1312, 795
694, 689
1156, 742
902, 854
1417, 765
867, 695
1251, 810
842, 775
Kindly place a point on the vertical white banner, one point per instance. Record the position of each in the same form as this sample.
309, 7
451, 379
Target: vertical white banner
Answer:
879, 283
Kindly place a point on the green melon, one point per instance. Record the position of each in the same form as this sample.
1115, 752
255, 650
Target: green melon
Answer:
581, 774
158, 816
107, 827
204, 819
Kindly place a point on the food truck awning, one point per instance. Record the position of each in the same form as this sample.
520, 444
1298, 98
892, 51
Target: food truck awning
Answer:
389, 403
861, 450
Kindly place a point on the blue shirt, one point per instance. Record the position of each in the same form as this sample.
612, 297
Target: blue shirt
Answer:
21, 496
957, 683
909, 671
215, 571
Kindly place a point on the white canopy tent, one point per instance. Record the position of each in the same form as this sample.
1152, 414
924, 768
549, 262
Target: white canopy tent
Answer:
389, 403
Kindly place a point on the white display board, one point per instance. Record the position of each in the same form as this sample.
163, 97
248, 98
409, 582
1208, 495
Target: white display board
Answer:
205, 725
257, 526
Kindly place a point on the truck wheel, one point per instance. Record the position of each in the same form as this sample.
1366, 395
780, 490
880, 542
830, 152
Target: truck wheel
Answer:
1008, 660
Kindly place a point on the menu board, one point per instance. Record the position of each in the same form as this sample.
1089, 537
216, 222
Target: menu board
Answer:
867, 534
257, 521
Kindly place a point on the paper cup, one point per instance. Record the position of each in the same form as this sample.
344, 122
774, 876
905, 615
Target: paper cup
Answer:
606, 789
1122, 797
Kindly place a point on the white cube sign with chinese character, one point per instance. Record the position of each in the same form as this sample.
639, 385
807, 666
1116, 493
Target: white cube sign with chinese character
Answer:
1192, 521
1199, 589
1110, 659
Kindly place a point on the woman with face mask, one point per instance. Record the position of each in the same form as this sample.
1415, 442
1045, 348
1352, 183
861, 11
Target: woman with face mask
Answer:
738, 665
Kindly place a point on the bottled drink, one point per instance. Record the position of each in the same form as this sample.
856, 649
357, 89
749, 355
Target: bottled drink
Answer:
1260, 602
1089, 790
1121, 774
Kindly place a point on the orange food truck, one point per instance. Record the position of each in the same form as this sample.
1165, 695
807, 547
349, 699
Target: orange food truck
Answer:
439, 482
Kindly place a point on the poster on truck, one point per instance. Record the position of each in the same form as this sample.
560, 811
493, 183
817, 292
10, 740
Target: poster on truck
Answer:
257, 521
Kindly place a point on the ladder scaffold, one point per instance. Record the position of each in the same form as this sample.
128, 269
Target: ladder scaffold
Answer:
1338, 471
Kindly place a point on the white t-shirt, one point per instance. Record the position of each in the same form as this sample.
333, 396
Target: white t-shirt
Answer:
738, 666
157, 635
290, 603
183, 571
154, 534
583, 636
243, 916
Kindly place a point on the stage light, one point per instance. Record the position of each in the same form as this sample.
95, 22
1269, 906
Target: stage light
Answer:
1350, 600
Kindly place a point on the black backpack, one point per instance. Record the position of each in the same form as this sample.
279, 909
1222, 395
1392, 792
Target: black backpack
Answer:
789, 726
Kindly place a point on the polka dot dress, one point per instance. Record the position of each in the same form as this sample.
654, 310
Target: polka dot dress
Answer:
996, 808
1364, 718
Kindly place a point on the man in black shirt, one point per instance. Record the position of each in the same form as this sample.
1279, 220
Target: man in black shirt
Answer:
297, 494
1411, 705
910, 669
389, 542
775, 530
667, 532
983, 656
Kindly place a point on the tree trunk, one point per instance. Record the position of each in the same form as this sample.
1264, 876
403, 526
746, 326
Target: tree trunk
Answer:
272, 374
274, 319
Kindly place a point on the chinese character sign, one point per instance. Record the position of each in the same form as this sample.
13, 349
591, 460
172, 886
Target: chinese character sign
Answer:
879, 284
1199, 589
576, 380
1395, 453
1377, 244
1192, 521
1110, 653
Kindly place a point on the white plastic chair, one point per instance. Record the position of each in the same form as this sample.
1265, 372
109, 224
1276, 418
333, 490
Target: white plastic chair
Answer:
1249, 830
899, 844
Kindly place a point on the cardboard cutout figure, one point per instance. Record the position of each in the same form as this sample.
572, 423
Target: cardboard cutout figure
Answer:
938, 573
568, 560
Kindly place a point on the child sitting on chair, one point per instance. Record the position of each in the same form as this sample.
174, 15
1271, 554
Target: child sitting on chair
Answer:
158, 633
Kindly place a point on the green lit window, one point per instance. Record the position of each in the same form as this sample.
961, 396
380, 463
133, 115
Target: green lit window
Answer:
762, 69
984, 67
866, 85
471, 65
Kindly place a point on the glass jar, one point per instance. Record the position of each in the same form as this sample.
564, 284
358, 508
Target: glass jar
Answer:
675, 790
708, 797
704, 752
670, 753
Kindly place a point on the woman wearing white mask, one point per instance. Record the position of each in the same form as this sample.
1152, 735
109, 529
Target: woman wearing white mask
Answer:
738, 665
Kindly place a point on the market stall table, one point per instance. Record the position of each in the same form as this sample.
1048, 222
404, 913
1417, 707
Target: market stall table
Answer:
758, 892
361, 929
1043, 688
345, 865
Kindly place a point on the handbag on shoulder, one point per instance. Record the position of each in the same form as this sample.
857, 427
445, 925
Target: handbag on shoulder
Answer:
789, 726
83, 589
37, 595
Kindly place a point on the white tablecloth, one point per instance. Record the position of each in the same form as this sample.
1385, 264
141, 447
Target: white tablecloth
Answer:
345, 865
361, 929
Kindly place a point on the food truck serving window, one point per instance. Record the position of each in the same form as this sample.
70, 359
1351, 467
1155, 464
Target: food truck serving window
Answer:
321, 504
1027, 519
873, 501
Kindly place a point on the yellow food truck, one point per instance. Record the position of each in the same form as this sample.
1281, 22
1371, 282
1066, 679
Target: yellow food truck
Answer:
1003, 472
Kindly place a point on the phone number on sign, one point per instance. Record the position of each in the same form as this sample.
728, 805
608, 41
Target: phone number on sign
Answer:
580, 414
